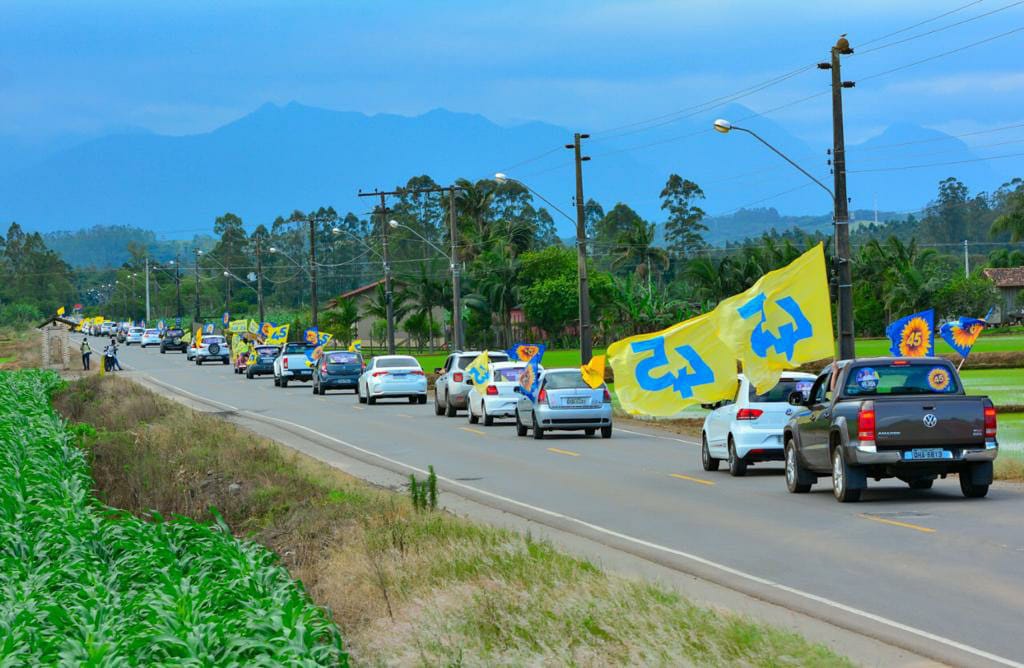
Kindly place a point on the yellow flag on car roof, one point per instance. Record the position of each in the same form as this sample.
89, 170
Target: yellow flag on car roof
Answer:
593, 371
60, 311
665, 372
479, 370
782, 321
199, 337
356, 346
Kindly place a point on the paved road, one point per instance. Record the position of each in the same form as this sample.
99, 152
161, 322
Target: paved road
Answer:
951, 570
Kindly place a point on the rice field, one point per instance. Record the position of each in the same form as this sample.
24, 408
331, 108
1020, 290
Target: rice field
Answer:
85, 584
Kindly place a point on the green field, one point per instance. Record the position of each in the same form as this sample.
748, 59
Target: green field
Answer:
1004, 386
1011, 431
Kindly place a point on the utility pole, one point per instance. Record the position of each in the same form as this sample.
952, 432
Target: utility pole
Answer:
177, 283
389, 305
147, 292
457, 337
196, 314
312, 268
842, 215
259, 276
586, 339
967, 261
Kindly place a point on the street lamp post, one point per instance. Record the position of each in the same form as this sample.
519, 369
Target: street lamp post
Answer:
845, 310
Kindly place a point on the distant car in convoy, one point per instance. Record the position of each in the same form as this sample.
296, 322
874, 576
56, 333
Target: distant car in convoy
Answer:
392, 376
890, 417
337, 369
564, 402
499, 398
134, 335
262, 363
292, 364
107, 328
174, 339
150, 337
213, 348
748, 429
450, 387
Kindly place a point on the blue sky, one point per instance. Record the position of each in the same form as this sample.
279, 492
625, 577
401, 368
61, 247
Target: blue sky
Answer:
186, 66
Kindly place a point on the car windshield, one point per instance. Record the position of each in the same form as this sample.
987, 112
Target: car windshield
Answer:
396, 362
509, 374
565, 380
780, 393
342, 358
267, 351
294, 348
901, 378
465, 361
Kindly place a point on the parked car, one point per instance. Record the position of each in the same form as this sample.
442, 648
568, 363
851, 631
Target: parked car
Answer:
450, 387
262, 364
134, 335
174, 339
213, 348
564, 402
292, 364
337, 369
748, 429
890, 417
390, 376
150, 337
499, 398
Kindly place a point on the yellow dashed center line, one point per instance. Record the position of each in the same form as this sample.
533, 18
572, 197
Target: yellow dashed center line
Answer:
473, 431
358, 408
699, 481
894, 523
558, 451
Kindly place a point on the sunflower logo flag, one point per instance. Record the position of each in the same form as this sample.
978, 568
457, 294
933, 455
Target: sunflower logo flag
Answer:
782, 321
524, 352
529, 379
962, 333
913, 335
276, 335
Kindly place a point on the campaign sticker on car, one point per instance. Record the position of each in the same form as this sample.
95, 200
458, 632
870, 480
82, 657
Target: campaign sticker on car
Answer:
867, 378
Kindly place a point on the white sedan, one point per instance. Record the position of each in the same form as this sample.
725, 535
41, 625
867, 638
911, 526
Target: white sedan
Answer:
388, 376
749, 429
499, 398
134, 336
150, 337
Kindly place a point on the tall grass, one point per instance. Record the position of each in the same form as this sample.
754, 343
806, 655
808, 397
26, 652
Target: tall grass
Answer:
84, 584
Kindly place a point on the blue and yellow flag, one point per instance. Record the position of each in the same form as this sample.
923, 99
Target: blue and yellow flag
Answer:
479, 370
782, 321
238, 326
524, 352
276, 335
663, 373
356, 346
913, 335
314, 353
530, 377
208, 328
962, 333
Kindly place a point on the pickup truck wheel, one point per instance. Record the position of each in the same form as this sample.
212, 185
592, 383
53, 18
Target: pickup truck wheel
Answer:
969, 488
449, 407
520, 427
841, 479
737, 467
794, 472
284, 382
706, 460
921, 483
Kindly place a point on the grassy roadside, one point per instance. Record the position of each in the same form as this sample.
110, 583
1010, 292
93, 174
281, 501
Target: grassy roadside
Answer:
405, 587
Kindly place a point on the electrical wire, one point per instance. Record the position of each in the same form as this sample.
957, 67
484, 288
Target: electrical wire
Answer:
934, 164
863, 52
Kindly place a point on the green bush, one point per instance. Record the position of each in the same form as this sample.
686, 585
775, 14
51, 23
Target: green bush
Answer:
19, 315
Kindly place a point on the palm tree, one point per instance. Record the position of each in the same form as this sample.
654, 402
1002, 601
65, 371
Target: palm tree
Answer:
426, 293
635, 248
497, 269
906, 275
376, 306
1012, 221
473, 202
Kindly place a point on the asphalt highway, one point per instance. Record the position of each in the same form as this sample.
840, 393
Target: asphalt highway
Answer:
930, 566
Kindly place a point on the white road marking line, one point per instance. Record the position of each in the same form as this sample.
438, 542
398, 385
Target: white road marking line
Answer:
655, 546
664, 438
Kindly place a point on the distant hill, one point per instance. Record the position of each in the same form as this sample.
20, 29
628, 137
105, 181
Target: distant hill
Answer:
279, 158
103, 246
747, 223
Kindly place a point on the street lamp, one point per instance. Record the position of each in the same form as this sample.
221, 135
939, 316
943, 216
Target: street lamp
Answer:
456, 289
845, 314
581, 267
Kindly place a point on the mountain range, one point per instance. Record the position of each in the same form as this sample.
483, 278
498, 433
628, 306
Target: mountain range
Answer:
284, 157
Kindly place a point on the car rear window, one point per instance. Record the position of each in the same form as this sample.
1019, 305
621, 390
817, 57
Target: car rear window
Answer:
135, 330
343, 358
265, 351
780, 393
901, 378
463, 362
510, 374
294, 348
565, 380
150, 332
396, 362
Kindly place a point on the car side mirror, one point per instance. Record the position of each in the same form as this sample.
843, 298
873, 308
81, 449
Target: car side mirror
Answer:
796, 398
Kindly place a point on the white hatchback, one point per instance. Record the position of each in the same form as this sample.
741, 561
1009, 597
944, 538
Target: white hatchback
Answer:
749, 429
134, 336
499, 398
392, 376
150, 337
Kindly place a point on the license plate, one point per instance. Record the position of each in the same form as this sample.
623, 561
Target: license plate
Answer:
398, 375
926, 453
576, 401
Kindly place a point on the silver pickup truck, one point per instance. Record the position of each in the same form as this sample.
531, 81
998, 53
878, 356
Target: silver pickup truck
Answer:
292, 364
890, 417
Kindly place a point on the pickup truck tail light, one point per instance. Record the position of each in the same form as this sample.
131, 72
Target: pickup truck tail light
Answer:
866, 422
607, 396
457, 377
990, 421
749, 413
492, 391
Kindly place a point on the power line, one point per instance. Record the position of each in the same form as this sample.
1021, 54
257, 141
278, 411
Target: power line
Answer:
941, 29
926, 21
933, 164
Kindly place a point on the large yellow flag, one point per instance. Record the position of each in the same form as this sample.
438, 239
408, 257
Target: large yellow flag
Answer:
782, 321
593, 371
199, 338
662, 373
479, 370
277, 336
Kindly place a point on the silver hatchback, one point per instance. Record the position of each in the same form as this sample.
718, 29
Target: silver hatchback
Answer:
564, 402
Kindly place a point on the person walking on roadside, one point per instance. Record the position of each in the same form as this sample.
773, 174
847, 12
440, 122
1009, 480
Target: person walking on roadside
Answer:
112, 355
86, 354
